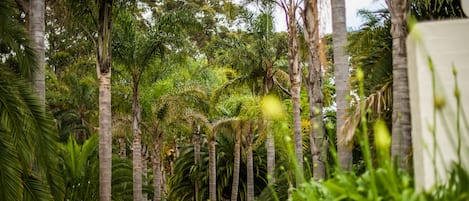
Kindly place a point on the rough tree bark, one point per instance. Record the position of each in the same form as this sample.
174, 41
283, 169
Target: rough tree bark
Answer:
314, 86
401, 127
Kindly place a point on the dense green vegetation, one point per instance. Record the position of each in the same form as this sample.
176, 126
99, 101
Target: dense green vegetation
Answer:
208, 103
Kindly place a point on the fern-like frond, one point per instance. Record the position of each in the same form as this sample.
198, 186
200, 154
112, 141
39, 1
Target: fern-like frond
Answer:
376, 103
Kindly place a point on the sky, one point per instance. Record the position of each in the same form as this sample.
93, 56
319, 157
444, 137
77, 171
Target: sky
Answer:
351, 7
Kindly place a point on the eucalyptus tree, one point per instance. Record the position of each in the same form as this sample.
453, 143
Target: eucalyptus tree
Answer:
290, 8
314, 86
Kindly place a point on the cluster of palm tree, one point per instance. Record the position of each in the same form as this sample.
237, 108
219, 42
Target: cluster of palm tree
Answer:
190, 85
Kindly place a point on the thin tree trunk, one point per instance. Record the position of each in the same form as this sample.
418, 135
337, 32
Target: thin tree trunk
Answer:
122, 147
401, 127
270, 140
295, 80
37, 29
236, 165
145, 170
156, 163
212, 169
105, 118
270, 144
249, 163
196, 159
341, 78
137, 143
314, 85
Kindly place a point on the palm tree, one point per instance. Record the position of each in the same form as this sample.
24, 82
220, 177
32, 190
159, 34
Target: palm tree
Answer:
341, 71
28, 133
80, 168
37, 29
370, 48
401, 127
103, 70
236, 166
257, 66
314, 86
135, 51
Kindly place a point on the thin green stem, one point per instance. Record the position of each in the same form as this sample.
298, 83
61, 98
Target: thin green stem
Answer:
433, 130
365, 142
458, 112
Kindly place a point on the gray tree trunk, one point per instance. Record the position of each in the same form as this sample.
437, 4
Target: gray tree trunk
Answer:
196, 159
270, 144
401, 127
342, 85
104, 76
249, 163
236, 165
212, 168
314, 85
37, 29
137, 142
156, 164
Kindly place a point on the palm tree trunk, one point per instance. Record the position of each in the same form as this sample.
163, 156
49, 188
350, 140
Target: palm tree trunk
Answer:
401, 127
137, 143
270, 144
103, 69
236, 166
37, 29
295, 80
341, 78
212, 169
122, 147
270, 140
314, 85
145, 170
250, 164
156, 163
196, 159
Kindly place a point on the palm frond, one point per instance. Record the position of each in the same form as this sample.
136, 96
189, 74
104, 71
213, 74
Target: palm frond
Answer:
31, 130
376, 103
16, 39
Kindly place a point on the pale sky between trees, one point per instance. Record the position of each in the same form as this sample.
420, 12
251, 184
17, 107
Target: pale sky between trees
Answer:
352, 7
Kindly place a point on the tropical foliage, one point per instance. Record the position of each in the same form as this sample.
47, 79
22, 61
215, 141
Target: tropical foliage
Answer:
210, 101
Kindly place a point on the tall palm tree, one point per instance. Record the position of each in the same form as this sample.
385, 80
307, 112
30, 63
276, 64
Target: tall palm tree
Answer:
103, 70
28, 133
37, 29
134, 50
342, 75
401, 127
236, 166
249, 161
314, 86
